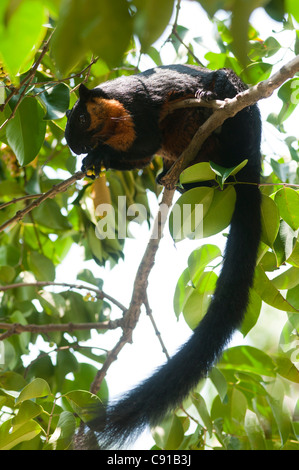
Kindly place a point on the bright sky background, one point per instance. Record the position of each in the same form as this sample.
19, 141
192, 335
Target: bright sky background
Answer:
136, 361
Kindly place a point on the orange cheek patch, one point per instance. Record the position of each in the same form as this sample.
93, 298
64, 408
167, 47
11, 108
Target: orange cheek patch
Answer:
115, 124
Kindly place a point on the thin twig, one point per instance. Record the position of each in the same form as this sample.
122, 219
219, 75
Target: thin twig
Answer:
158, 334
18, 199
57, 188
99, 293
17, 328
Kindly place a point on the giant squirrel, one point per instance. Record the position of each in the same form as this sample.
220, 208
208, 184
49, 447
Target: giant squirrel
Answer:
121, 125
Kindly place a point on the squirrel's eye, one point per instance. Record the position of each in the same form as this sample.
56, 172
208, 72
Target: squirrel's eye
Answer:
82, 119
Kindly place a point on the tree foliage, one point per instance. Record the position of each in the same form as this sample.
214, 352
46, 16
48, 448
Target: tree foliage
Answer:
47, 48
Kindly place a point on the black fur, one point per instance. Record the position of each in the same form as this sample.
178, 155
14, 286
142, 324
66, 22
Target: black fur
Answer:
143, 96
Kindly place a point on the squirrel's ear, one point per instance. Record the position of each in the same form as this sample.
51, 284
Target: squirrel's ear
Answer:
84, 92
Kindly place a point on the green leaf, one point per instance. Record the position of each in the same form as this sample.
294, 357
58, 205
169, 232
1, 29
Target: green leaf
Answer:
224, 173
252, 312
49, 215
83, 403
199, 259
169, 434
270, 220
182, 291
268, 292
247, 359
85, 26
219, 382
220, 211
41, 266
21, 33
231, 412
217, 209
26, 432
148, 24
186, 216
281, 415
197, 303
66, 363
254, 73
287, 369
56, 99
287, 279
87, 276
201, 407
28, 410
12, 381
292, 7
198, 172
26, 131
63, 435
288, 93
254, 432
37, 388
287, 200
9, 255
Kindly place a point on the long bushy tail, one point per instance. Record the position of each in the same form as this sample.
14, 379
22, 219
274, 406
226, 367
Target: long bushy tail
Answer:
148, 403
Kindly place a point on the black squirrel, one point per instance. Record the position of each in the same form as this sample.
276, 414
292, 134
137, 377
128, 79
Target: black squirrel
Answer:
121, 125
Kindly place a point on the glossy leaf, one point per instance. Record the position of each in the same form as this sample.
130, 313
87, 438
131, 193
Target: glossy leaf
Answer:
186, 218
198, 172
220, 211
268, 292
56, 100
224, 173
148, 24
81, 401
287, 200
252, 312
49, 215
270, 220
62, 437
26, 432
199, 259
37, 388
247, 359
287, 279
197, 303
28, 410
169, 434
41, 266
26, 131
22, 34
85, 26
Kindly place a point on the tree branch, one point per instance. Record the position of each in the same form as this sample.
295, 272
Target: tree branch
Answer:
17, 328
99, 293
139, 296
57, 188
